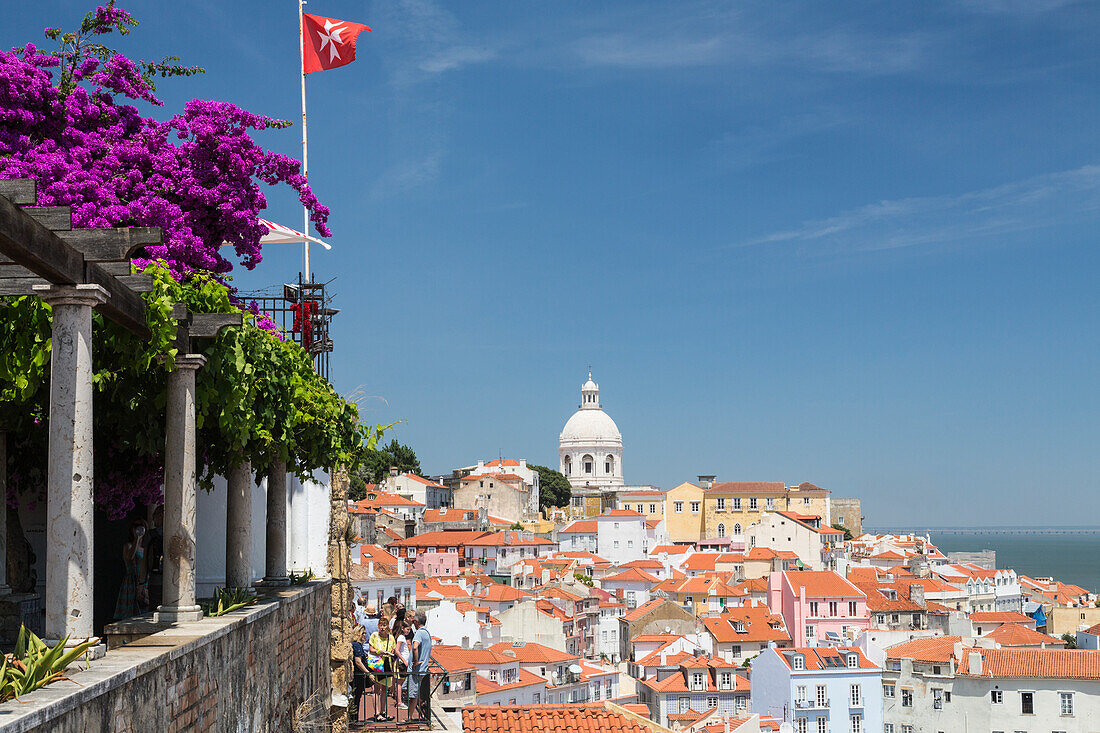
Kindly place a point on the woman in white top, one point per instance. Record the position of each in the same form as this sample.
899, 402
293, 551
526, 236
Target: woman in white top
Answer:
404, 656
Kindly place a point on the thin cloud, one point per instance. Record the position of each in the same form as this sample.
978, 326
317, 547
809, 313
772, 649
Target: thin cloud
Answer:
1033, 203
456, 57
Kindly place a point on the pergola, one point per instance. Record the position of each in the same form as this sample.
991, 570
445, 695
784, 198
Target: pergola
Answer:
76, 271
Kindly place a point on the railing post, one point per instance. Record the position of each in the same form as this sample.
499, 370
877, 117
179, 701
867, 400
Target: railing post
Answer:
179, 494
69, 501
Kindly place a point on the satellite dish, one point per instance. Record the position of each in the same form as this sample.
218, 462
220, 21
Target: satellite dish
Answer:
575, 668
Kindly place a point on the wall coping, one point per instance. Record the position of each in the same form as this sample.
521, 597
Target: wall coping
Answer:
137, 658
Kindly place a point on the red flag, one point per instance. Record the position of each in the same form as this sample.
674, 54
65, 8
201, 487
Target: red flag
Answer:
327, 43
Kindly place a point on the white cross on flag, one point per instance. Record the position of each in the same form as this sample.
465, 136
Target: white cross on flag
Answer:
328, 43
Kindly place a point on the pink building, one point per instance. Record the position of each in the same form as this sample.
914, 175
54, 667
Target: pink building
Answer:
818, 606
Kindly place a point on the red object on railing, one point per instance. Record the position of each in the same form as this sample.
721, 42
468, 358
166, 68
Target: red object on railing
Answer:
303, 321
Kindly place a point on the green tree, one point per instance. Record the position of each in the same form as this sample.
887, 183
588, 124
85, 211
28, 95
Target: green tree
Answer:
554, 488
847, 532
1071, 641
376, 464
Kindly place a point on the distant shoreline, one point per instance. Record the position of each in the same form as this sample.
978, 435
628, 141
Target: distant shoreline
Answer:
917, 529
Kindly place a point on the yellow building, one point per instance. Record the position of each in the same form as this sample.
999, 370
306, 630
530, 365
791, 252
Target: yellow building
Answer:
731, 506
809, 499
650, 502
684, 513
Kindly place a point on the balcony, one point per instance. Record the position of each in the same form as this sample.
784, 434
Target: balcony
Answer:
361, 717
811, 704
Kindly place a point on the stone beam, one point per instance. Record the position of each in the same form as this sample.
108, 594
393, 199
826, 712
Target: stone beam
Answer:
19, 190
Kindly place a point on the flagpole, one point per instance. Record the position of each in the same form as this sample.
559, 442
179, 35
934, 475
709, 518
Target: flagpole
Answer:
305, 146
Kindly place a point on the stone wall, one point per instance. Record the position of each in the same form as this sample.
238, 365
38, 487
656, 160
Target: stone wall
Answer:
248, 671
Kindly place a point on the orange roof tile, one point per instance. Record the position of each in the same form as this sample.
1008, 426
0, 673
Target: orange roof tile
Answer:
580, 526
632, 575
1001, 617
757, 623
932, 649
816, 656
645, 608
508, 537
523, 679
441, 538
575, 718
822, 584
1017, 635
532, 653
740, 487
1051, 663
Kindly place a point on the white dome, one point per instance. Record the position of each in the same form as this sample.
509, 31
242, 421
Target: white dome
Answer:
588, 426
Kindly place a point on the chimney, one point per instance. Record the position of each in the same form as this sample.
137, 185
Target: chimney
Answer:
706, 481
481, 464
664, 657
483, 517
916, 594
393, 470
974, 664
370, 567
523, 463
401, 566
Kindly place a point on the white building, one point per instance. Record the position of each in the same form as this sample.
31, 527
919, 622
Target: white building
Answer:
621, 535
580, 535
409, 485
633, 585
803, 535
607, 630
947, 684
590, 448
464, 624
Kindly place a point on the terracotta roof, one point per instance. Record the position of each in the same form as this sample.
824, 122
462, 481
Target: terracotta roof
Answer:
637, 708
533, 653
441, 538
645, 608
1001, 617
574, 718
453, 658
1017, 635
422, 480
654, 658
678, 682
933, 649
505, 477
508, 537
505, 462
670, 549
740, 487
1050, 663
708, 560
632, 575
377, 554
690, 717
757, 624
806, 519
643, 564
497, 593
580, 526
816, 657
445, 514
1094, 630
822, 584
381, 499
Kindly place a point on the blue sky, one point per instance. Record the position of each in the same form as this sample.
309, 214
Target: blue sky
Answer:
847, 243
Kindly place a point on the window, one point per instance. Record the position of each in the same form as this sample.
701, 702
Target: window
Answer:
813, 608
697, 681
887, 728
694, 507
630, 543
735, 650
631, 599
806, 500
857, 724
1067, 702
712, 701
906, 698
725, 681
678, 507
821, 696
721, 503
800, 725
1027, 703
855, 695
996, 696
737, 503
685, 703
652, 508
906, 729
851, 608
800, 693
616, 544
937, 699
596, 692
853, 661
822, 725
493, 675
640, 509
809, 631
832, 608
721, 529
769, 504
888, 690
798, 662
737, 530
752, 502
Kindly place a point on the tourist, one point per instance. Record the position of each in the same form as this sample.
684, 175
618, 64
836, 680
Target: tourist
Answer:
154, 558
420, 686
361, 675
134, 590
370, 620
380, 662
404, 662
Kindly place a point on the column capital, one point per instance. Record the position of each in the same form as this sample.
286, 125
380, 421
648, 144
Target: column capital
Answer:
190, 361
81, 294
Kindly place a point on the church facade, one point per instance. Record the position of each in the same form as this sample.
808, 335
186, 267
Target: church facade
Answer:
590, 455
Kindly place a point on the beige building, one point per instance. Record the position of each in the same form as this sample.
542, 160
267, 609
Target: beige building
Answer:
684, 513
847, 512
504, 495
731, 506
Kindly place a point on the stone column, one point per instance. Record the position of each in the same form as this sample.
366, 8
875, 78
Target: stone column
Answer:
275, 568
238, 527
5, 589
69, 510
179, 494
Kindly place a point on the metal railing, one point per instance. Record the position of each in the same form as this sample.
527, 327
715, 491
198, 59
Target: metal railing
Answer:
389, 703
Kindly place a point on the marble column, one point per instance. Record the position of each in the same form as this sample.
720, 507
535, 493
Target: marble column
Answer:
179, 494
5, 589
238, 527
69, 509
275, 566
